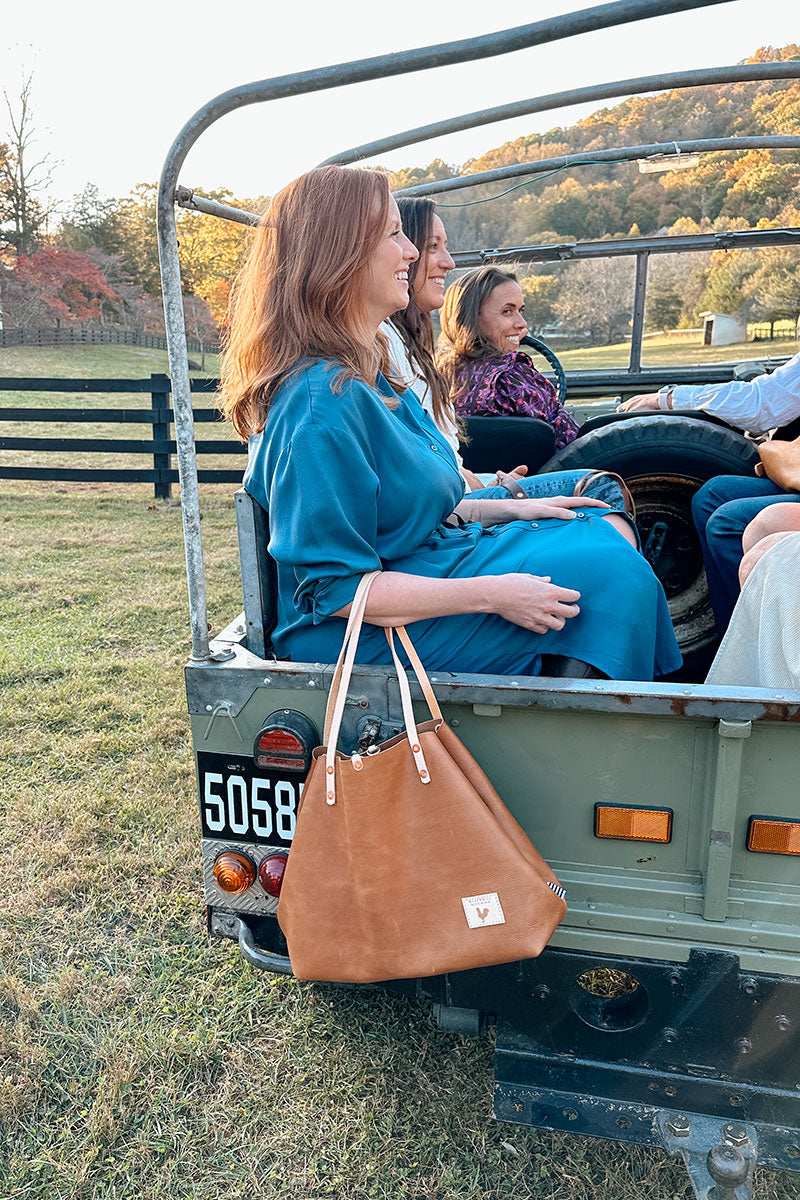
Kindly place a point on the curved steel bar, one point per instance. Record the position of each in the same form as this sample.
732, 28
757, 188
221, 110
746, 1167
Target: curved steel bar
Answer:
738, 239
262, 959
613, 154
741, 73
602, 16
187, 198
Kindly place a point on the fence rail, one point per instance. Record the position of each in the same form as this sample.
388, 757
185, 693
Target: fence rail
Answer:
91, 335
160, 444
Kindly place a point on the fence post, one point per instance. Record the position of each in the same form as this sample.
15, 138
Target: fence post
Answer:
159, 399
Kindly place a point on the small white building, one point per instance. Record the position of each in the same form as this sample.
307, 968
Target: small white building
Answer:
723, 329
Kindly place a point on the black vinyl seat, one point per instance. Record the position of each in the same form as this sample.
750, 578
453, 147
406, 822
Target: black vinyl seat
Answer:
505, 442
259, 574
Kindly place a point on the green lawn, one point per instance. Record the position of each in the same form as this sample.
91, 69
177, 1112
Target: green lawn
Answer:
663, 352
139, 1061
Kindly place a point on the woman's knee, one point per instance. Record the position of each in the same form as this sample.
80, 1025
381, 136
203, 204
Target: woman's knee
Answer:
777, 518
757, 552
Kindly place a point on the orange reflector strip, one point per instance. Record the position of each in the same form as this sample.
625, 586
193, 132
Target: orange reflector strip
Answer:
635, 824
768, 835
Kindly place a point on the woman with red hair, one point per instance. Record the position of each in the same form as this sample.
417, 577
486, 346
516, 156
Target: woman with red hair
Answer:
356, 476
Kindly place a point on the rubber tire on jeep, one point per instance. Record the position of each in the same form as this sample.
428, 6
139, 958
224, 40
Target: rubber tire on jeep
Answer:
664, 460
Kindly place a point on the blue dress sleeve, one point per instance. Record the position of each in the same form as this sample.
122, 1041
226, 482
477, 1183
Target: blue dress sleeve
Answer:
323, 509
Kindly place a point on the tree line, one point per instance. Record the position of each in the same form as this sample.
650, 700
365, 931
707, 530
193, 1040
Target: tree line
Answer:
97, 260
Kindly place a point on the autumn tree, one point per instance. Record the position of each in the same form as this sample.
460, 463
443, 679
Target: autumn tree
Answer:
51, 286
775, 285
597, 294
23, 177
90, 223
728, 285
540, 292
211, 250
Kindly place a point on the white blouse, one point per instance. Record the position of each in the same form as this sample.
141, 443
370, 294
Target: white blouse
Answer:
413, 379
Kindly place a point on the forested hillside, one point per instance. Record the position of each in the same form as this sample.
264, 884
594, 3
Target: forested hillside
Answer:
99, 262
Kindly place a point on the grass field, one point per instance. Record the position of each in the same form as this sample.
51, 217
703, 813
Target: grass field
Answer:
139, 1061
658, 352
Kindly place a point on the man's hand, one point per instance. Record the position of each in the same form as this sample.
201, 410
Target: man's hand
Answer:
647, 402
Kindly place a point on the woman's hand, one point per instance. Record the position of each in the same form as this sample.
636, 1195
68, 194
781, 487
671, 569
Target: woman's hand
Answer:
500, 512
560, 507
534, 601
518, 473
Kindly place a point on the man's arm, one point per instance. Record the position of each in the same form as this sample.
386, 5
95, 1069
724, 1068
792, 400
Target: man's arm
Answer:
766, 402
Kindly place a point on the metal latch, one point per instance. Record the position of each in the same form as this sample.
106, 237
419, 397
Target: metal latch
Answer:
225, 708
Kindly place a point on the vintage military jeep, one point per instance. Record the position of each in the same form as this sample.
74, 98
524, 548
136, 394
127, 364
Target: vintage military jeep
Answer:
667, 1009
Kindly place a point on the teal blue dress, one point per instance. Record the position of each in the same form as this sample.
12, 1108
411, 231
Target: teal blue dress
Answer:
352, 485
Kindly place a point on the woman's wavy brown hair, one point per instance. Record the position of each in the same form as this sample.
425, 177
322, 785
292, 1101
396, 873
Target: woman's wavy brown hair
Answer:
299, 295
460, 340
413, 324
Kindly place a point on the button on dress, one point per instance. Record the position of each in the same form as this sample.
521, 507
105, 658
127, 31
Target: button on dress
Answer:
353, 485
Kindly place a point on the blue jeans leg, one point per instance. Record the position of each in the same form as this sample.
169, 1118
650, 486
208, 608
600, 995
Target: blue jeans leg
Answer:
558, 483
721, 509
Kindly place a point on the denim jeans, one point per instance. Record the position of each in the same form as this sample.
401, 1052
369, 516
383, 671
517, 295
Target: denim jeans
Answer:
721, 509
557, 483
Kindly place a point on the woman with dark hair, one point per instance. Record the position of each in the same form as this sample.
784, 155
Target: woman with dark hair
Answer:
411, 351
479, 354
356, 477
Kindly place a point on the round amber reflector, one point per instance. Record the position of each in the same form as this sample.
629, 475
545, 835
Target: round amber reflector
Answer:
270, 873
234, 872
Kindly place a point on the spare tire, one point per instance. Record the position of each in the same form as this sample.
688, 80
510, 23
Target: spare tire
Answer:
664, 460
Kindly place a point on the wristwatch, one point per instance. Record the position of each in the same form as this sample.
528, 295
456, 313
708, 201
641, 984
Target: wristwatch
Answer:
665, 396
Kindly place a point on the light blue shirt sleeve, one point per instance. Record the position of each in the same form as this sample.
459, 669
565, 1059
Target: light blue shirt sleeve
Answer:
766, 402
323, 517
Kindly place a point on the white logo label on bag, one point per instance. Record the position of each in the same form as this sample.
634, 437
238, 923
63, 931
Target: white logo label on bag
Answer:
483, 910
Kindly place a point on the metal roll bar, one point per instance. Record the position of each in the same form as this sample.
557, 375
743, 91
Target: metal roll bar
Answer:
612, 155
603, 16
741, 73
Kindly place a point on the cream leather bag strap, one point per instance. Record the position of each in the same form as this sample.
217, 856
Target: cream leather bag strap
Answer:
341, 681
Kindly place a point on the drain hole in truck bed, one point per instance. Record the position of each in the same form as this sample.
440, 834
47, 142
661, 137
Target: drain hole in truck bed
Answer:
609, 1000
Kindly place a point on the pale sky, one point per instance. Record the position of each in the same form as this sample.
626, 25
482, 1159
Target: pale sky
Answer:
114, 84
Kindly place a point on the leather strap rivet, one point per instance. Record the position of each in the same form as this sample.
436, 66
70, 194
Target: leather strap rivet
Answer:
423, 774
415, 749
330, 770
330, 795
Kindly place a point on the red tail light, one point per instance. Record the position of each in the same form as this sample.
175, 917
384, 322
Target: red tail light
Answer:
278, 748
233, 872
270, 873
285, 742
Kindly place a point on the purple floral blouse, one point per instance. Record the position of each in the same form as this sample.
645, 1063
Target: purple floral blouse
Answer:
510, 386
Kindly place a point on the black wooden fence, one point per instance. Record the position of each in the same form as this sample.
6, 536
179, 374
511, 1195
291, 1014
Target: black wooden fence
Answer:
93, 335
159, 444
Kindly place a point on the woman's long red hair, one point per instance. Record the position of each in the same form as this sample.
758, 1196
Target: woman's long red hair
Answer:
299, 295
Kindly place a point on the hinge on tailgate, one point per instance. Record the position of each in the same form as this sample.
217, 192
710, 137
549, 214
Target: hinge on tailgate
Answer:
727, 786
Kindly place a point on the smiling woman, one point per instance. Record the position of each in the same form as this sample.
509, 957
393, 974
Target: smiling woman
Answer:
479, 354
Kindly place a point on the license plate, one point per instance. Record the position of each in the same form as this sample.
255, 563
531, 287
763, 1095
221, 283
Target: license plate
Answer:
240, 803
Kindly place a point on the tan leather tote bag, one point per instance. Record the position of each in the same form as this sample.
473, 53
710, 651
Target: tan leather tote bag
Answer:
405, 862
